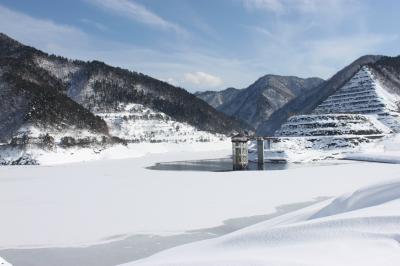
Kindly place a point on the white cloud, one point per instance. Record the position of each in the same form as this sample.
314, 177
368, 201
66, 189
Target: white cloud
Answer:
322, 57
303, 6
171, 81
271, 5
137, 12
203, 79
94, 24
311, 37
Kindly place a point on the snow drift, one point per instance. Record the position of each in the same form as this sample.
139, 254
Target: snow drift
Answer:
361, 228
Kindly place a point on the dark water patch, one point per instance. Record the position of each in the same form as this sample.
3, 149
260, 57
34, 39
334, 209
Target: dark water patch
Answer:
225, 165
215, 165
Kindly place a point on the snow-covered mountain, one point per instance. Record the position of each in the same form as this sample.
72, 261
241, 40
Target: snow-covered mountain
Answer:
102, 88
47, 100
257, 102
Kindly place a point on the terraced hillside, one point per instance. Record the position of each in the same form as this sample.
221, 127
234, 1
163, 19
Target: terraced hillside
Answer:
363, 106
365, 94
362, 110
331, 125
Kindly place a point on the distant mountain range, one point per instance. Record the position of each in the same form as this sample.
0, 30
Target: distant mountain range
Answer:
51, 94
256, 103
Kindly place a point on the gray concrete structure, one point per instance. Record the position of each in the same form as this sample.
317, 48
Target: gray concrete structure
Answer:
240, 152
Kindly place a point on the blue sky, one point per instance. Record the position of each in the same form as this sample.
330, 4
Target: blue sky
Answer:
209, 44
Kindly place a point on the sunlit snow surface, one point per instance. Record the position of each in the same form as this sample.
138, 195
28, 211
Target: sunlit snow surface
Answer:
359, 228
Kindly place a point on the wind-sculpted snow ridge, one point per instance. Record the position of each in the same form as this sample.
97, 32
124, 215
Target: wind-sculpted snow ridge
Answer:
361, 228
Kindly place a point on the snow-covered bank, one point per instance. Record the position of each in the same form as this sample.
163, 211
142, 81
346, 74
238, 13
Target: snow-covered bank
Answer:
361, 228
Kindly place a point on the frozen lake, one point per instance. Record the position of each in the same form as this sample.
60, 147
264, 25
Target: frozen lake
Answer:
112, 211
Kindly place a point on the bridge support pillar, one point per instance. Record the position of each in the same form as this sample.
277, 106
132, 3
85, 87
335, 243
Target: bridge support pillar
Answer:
260, 150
